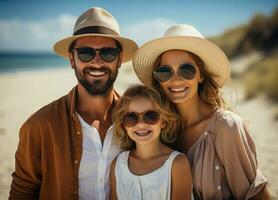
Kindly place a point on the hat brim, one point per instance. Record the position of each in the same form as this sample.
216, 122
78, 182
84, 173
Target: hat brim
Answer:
213, 57
129, 47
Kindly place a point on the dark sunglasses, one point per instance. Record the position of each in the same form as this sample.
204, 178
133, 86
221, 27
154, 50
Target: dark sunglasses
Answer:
107, 54
165, 72
150, 117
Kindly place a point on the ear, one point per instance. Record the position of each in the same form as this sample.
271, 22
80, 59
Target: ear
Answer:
163, 123
201, 77
120, 57
71, 59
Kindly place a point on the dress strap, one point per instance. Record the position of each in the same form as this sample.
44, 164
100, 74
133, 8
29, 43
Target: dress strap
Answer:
170, 162
121, 161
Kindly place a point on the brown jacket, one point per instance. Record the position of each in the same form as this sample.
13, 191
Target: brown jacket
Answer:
48, 154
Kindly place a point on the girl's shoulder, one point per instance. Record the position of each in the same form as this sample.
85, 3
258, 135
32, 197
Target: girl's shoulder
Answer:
181, 168
179, 160
120, 161
123, 156
174, 156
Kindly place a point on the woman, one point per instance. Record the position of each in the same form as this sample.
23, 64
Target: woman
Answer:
190, 71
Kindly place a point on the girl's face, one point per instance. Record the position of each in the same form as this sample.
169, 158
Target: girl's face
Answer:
177, 88
149, 124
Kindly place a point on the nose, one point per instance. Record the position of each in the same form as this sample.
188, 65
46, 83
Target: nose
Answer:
176, 76
97, 59
140, 120
140, 123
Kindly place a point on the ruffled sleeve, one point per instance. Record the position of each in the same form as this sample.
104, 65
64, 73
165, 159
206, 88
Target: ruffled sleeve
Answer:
237, 152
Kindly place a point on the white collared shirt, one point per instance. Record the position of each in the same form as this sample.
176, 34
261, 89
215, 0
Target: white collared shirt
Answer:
95, 163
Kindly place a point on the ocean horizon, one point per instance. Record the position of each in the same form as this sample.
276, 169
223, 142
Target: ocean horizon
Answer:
21, 61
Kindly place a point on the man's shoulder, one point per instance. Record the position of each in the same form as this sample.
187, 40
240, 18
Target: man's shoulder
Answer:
50, 111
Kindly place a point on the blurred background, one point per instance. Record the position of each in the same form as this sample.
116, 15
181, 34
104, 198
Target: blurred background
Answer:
31, 75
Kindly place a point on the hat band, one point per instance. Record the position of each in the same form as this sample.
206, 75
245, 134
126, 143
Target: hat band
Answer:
95, 29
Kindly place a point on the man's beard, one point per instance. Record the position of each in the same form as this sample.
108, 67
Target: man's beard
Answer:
98, 87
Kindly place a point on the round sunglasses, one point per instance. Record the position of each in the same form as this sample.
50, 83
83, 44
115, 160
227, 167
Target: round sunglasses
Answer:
165, 72
107, 54
150, 117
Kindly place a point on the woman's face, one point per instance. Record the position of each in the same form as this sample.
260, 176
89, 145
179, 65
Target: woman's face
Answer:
177, 88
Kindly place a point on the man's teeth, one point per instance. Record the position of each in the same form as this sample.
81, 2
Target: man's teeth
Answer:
177, 89
96, 73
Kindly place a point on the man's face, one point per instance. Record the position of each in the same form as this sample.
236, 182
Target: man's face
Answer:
96, 76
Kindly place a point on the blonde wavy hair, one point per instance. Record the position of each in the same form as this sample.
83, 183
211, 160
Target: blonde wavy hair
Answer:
209, 91
171, 120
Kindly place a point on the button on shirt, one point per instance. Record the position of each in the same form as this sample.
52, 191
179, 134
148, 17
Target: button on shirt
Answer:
95, 163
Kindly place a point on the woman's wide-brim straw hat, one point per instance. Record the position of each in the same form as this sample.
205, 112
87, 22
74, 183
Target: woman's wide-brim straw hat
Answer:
181, 37
96, 22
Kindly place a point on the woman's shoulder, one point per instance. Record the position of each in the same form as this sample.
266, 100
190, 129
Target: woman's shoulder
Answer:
229, 125
227, 120
225, 115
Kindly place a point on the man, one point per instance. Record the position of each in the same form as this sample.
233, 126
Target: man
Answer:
66, 148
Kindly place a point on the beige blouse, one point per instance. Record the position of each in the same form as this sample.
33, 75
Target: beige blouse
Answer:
223, 160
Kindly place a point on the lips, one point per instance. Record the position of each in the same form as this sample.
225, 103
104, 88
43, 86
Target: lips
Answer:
96, 72
177, 89
142, 132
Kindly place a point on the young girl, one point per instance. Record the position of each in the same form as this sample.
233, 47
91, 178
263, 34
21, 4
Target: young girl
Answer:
148, 169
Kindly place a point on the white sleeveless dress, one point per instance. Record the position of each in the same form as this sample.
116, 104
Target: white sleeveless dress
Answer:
152, 186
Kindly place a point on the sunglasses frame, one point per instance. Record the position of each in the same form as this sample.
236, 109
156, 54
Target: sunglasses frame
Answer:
172, 72
140, 117
93, 52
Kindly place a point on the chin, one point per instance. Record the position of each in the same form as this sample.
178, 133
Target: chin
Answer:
178, 99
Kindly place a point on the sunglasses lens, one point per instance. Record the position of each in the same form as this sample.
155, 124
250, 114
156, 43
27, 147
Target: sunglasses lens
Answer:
86, 54
130, 119
187, 71
163, 73
109, 54
151, 117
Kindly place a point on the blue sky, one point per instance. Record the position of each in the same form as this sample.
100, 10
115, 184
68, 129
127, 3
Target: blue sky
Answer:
34, 25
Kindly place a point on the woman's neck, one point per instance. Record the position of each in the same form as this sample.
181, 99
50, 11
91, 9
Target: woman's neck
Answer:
193, 111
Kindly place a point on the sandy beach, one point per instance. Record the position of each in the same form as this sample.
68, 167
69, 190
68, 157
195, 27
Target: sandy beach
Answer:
23, 93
